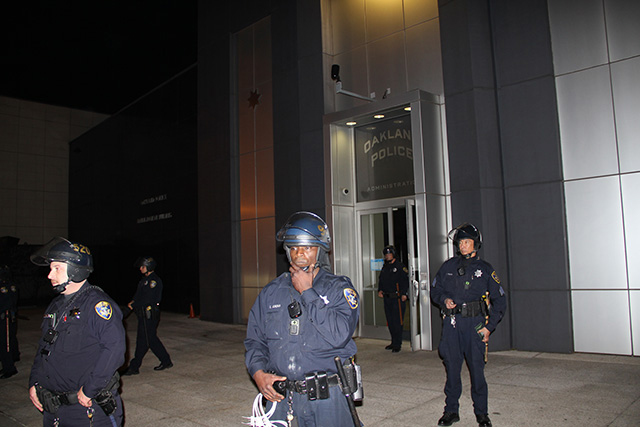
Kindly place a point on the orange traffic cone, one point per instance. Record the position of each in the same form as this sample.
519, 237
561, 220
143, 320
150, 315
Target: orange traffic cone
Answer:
192, 315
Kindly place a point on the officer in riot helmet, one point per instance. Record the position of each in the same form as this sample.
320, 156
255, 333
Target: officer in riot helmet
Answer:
299, 323
472, 302
393, 286
146, 305
8, 320
74, 379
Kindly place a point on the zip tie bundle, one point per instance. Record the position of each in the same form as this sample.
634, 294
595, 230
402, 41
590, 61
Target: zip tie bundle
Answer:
259, 419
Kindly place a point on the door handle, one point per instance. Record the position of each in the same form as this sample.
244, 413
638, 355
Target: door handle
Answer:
416, 291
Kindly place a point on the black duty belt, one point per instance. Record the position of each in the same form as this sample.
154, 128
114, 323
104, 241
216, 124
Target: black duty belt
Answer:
391, 295
303, 386
467, 309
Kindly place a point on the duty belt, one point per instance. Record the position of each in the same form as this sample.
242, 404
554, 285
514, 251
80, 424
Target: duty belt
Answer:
467, 309
304, 386
391, 295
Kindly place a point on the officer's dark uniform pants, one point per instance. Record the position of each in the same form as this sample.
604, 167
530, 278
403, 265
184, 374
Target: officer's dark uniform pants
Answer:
392, 311
6, 354
146, 339
76, 416
456, 345
331, 412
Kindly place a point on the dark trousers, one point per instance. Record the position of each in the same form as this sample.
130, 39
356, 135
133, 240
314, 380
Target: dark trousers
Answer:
6, 350
456, 345
146, 339
395, 313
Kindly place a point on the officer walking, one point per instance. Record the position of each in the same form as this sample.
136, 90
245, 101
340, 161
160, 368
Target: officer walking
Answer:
298, 324
393, 286
472, 302
8, 320
146, 305
74, 380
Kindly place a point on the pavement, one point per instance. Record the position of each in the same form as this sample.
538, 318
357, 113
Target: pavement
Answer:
209, 385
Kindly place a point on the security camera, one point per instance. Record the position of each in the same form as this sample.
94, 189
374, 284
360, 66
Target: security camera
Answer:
345, 191
335, 72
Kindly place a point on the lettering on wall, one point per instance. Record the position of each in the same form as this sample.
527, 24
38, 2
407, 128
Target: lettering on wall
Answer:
384, 159
154, 217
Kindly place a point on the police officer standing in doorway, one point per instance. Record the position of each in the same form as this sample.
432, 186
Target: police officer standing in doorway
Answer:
146, 305
472, 302
298, 324
8, 320
74, 379
393, 286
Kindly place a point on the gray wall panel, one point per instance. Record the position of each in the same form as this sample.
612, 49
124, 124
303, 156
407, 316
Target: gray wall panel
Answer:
542, 321
424, 62
522, 44
577, 34
529, 131
631, 212
537, 248
625, 76
586, 124
623, 31
594, 224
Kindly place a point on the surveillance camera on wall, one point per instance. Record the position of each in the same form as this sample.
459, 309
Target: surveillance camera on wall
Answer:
335, 72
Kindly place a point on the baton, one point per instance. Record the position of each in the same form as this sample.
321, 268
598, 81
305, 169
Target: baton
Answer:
399, 304
346, 390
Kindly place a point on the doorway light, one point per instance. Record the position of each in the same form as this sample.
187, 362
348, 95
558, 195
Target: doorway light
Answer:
351, 123
407, 108
379, 116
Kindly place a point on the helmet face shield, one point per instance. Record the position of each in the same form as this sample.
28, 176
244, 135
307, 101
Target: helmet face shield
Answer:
76, 256
305, 229
466, 231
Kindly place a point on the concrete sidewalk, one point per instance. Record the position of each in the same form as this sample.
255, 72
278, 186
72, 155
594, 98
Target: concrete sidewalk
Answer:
209, 385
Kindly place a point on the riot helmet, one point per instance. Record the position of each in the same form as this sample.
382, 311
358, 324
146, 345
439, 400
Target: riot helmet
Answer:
305, 229
77, 257
148, 262
390, 249
466, 231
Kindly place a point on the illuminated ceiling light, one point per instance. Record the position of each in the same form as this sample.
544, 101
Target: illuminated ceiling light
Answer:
398, 121
371, 128
407, 108
351, 123
379, 116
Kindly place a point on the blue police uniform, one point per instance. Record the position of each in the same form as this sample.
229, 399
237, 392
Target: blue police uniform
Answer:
87, 351
466, 281
146, 304
294, 347
394, 283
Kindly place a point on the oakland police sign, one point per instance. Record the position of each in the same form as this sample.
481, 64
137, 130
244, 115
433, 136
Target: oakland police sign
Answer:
384, 160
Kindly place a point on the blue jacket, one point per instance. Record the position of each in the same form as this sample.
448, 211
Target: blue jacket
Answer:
478, 278
330, 312
90, 345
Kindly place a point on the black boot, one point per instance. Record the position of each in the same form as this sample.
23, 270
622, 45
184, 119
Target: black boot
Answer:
448, 418
483, 420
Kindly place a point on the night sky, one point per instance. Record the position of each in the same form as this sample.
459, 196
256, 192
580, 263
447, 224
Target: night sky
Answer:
94, 55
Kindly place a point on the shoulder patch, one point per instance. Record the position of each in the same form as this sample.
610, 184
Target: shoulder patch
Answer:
104, 310
405, 269
352, 298
153, 284
495, 277
4, 290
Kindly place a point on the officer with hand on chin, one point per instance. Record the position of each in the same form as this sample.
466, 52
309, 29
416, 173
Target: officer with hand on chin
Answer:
464, 288
74, 380
298, 324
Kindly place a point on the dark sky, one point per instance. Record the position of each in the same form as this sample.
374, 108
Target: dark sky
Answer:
91, 54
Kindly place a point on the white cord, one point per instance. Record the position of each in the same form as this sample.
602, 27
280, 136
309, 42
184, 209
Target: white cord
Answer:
259, 419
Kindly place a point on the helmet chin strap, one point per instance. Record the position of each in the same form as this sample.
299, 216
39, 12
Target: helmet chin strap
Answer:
58, 289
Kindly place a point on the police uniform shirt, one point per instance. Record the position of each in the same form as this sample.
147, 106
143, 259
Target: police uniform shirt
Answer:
391, 274
149, 291
466, 280
330, 312
90, 345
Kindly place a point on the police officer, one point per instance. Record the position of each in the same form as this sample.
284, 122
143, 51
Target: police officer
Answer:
146, 305
8, 320
464, 288
298, 324
74, 379
393, 286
